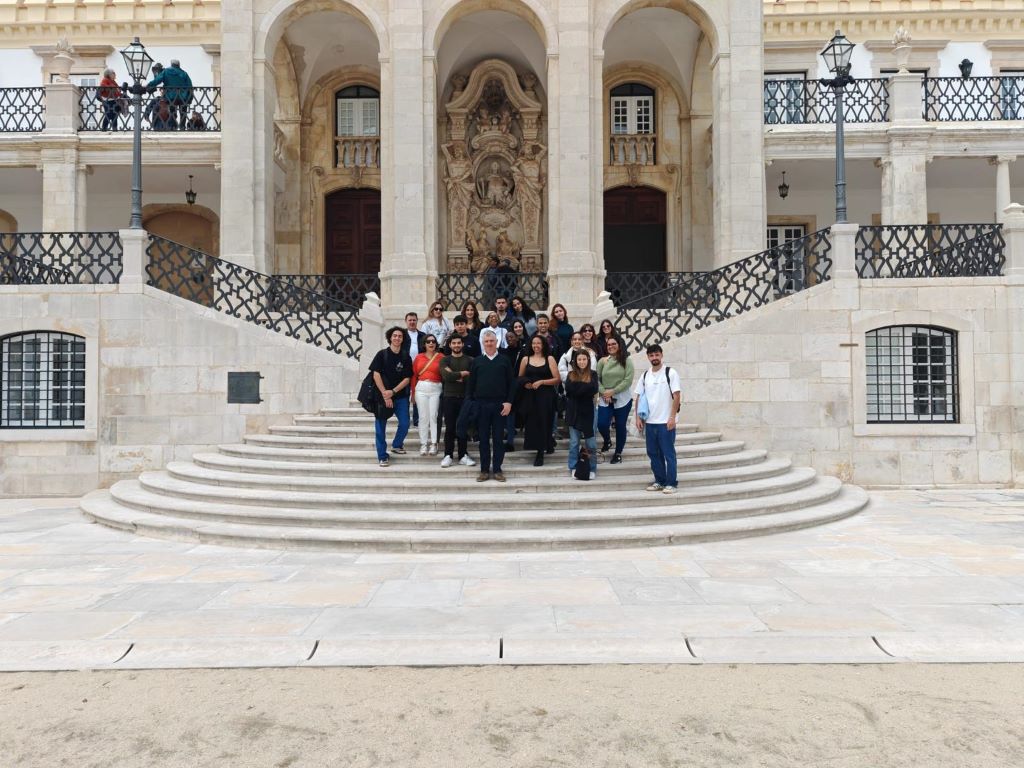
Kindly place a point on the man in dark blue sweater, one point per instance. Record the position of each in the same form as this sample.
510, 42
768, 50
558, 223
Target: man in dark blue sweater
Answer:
490, 383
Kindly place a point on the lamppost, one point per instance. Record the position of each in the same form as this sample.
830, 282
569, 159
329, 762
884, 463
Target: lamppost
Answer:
137, 62
837, 58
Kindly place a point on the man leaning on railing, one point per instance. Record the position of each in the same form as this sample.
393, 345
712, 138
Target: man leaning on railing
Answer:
177, 87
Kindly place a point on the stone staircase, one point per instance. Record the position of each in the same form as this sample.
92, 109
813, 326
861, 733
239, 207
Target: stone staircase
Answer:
316, 484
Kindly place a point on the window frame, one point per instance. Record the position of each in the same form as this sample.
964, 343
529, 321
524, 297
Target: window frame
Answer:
50, 392
632, 97
899, 376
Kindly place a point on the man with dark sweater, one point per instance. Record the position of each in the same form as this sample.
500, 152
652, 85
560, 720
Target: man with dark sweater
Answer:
490, 383
454, 372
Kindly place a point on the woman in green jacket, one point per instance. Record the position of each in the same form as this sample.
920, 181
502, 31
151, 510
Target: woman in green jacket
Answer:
615, 375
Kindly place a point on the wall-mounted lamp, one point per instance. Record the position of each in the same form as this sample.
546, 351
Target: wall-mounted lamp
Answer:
783, 187
965, 67
190, 195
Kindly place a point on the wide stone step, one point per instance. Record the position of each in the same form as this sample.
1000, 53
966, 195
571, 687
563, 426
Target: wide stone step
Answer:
216, 469
364, 446
365, 423
345, 463
475, 496
350, 435
838, 503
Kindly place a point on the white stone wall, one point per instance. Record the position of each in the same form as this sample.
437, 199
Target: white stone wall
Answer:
158, 382
790, 377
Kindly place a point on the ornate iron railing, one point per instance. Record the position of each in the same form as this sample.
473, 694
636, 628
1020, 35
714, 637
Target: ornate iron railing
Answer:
635, 287
348, 289
710, 297
17, 270
22, 110
456, 288
930, 250
955, 99
263, 300
797, 102
65, 257
195, 109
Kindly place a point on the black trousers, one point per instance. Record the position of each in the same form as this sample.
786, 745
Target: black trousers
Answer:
450, 411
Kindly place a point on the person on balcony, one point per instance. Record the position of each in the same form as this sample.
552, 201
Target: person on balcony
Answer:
149, 113
163, 118
177, 87
110, 96
196, 122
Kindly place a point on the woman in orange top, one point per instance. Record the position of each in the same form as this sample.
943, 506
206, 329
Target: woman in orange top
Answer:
426, 389
109, 94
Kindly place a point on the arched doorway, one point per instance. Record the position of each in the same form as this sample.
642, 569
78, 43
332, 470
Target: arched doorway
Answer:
634, 230
352, 232
193, 226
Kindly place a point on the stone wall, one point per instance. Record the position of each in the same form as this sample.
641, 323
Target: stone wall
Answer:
156, 391
790, 377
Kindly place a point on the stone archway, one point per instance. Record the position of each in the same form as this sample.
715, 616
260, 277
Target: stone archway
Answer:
192, 225
8, 223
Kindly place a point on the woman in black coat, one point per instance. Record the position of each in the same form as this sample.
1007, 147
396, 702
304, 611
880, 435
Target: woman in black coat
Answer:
580, 394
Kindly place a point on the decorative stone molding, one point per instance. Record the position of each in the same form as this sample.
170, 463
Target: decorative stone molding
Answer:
90, 23
890, 54
59, 61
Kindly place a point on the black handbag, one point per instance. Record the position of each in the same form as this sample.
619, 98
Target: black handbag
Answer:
469, 414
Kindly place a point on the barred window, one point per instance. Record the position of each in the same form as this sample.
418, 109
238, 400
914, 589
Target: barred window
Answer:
42, 381
912, 375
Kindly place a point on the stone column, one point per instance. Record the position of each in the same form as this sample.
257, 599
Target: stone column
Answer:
905, 99
844, 252
574, 272
885, 164
908, 154
238, 214
59, 164
133, 260
1013, 234
407, 281
1002, 164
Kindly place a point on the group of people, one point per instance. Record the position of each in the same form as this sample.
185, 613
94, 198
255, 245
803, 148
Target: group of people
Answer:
166, 111
485, 379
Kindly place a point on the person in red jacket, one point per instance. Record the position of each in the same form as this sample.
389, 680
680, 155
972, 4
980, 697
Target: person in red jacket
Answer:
426, 389
110, 95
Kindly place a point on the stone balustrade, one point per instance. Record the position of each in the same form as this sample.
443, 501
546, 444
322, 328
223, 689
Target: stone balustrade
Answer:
633, 149
357, 151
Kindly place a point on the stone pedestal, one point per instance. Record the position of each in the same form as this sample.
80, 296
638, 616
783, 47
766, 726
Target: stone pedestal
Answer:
844, 252
133, 259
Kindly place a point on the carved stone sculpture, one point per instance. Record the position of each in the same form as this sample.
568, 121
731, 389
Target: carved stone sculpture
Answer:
459, 185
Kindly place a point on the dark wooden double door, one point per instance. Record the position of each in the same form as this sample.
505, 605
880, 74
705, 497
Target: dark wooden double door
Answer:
352, 238
634, 230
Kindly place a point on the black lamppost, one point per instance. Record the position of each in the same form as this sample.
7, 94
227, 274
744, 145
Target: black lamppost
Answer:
837, 58
138, 62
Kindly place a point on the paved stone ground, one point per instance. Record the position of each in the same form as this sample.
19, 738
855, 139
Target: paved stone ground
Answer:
918, 576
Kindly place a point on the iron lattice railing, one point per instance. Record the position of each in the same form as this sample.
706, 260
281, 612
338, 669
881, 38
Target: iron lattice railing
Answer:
958, 99
22, 110
637, 287
194, 109
456, 288
62, 257
348, 289
930, 250
800, 102
263, 300
710, 297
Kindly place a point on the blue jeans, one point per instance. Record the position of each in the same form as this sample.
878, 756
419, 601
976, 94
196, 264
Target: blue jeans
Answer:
661, 450
574, 449
604, 421
491, 426
380, 438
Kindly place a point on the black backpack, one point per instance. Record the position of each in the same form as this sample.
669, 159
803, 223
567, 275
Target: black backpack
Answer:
367, 396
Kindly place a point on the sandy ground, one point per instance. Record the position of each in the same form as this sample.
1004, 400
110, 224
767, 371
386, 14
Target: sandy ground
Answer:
938, 716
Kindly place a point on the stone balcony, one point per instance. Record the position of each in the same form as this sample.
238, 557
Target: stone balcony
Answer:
633, 149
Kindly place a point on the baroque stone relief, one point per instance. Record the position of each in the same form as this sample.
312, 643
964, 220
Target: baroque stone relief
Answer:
494, 170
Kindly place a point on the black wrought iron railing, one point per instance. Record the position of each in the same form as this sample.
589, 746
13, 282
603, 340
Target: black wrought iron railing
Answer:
62, 257
191, 109
636, 287
263, 300
22, 110
930, 250
454, 289
710, 297
797, 102
17, 270
348, 289
959, 99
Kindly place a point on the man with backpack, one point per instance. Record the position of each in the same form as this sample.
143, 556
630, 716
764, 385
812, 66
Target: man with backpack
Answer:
656, 405
391, 370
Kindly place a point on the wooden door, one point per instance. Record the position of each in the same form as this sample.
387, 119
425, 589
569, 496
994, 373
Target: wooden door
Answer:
352, 239
634, 230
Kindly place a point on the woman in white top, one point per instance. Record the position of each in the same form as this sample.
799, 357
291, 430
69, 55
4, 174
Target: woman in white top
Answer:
565, 361
492, 325
437, 324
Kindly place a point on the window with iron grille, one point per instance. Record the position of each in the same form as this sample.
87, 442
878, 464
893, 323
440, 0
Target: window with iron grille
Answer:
912, 375
42, 381
791, 259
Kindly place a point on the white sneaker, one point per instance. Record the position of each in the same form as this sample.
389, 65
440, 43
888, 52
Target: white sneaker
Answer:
433, 449
593, 475
466, 461
669, 489
423, 450
446, 462
655, 487
572, 474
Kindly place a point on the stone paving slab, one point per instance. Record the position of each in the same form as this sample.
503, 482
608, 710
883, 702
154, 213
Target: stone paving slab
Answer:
918, 576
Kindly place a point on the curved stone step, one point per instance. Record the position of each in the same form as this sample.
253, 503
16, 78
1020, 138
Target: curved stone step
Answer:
348, 436
365, 422
344, 463
101, 507
362, 448
475, 495
204, 470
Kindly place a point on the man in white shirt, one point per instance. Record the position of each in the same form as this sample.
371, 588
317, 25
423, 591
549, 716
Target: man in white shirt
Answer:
660, 387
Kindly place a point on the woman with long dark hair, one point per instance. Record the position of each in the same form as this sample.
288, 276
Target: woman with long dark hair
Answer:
473, 322
615, 376
560, 326
538, 377
580, 391
605, 332
522, 310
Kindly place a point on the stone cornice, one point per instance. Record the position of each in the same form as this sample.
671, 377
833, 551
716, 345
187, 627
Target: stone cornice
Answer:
96, 22
954, 25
